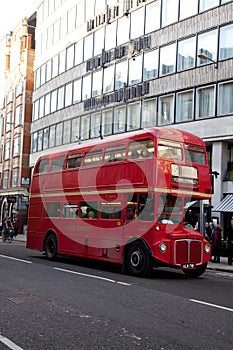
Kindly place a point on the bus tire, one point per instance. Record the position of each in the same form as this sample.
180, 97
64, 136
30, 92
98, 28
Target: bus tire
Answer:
50, 246
137, 260
197, 272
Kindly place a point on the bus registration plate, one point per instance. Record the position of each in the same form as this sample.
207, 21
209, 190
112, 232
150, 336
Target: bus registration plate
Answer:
188, 266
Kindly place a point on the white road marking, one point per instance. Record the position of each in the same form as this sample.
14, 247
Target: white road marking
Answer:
9, 343
92, 276
11, 258
213, 305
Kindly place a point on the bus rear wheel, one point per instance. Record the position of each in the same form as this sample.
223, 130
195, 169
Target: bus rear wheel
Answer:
137, 260
197, 272
51, 246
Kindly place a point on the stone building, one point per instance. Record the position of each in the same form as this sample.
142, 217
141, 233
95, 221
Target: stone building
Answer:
17, 83
110, 66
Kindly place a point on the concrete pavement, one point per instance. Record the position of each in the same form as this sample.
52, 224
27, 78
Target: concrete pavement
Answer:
222, 266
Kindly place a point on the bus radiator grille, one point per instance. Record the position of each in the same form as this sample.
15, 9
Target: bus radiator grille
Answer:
188, 251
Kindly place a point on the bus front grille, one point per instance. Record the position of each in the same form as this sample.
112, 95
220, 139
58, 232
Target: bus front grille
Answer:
188, 251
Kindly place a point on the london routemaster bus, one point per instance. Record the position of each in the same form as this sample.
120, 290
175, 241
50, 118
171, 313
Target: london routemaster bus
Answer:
123, 200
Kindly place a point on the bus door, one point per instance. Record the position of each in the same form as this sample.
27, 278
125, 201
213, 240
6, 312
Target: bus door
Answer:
139, 215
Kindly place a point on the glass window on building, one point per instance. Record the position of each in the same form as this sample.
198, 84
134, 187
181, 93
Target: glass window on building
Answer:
184, 106
15, 178
166, 110
167, 59
51, 6
149, 112
63, 28
95, 125
46, 138
53, 101
107, 122
133, 116
40, 140
9, 122
71, 19
108, 79
150, 65
225, 100
49, 40
135, 70
207, 4
121, 74
47, 104
34, 142
42, 77
188, 8
137, 23
60, 97
119, 119
225, 42
99, 7
80, 13
37, 79
41, 107
85, 127
52, 131
77, 92
110, 36
7, 150
55, 66
19, 88
68, 94
207, 45
48, 70
17, 146
225, 1
6, 179
90, 9
66, 131
62, 61
88, 47
86, 91
98, 41
56, 31
75, 130
36, 110
70, 57
18, 115
59, 132
205, 102
169, 12
153, 16
123, 30
186, 57
97, 83
78, 52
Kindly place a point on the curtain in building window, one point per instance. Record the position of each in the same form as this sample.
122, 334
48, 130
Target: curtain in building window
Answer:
205, 102
225, 100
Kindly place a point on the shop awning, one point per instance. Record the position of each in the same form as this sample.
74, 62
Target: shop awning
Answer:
226, 204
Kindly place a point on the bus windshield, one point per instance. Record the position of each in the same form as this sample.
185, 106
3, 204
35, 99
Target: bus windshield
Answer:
169, 209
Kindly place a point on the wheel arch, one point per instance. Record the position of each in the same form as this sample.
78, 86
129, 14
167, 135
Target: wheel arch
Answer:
133, 240
46, 236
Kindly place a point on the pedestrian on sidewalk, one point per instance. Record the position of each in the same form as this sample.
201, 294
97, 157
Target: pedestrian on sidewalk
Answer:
229, 238
217, 243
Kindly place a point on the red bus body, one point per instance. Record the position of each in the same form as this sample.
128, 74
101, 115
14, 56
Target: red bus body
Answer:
137, 201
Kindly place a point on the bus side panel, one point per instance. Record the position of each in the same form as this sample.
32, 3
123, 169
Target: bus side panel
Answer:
35, 229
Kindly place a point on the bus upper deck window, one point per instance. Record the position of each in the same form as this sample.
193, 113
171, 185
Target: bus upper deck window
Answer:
57, 163
169, 150
114, 154
93, 157
141, 149
195, 154
43, 166
74, 161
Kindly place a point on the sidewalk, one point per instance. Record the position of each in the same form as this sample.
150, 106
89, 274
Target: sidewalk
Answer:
222, 266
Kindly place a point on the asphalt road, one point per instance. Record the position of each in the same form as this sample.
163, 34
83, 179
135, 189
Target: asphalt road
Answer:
71, 304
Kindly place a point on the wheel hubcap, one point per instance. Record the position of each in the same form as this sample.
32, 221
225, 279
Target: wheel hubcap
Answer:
136, 259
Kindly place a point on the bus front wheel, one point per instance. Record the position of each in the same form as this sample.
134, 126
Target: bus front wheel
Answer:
197, 272
138, 260
51, 246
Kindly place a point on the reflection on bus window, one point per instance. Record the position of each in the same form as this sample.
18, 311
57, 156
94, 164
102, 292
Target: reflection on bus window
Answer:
43, 166
53, 210
195, 155
169, 209
146, 207
114, 154
131, 208
93, 157
74, 161
89, 210
169, 150
57, 163
110, 210
141, 149
70, 210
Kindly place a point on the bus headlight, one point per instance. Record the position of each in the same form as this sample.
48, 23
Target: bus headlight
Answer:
163, 247
207, 249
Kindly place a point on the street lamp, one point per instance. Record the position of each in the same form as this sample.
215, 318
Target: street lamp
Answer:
202, 56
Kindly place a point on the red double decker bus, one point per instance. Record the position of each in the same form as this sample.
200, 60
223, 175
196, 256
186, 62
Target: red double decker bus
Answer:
123, 200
